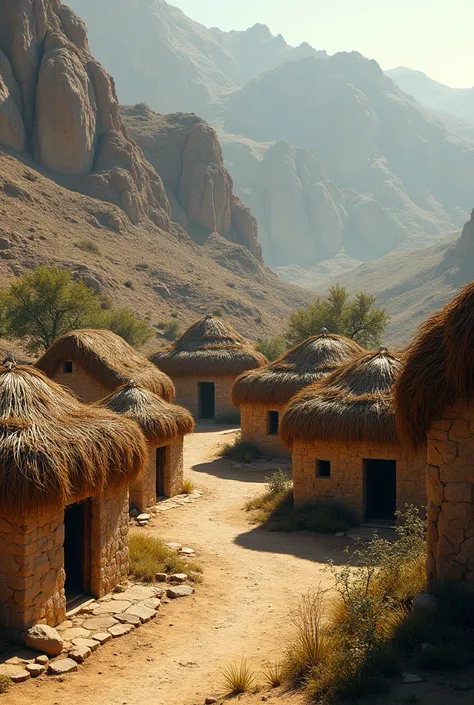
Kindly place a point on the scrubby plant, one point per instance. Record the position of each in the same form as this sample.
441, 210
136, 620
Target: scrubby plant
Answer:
273, 674
5, 684
171, 330
149, 556
272, 348
188, 487
128, 284
238, 677
87, 246
240, 450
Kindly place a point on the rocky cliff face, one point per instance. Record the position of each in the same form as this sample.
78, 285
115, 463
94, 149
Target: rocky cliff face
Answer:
185, 151
59, 105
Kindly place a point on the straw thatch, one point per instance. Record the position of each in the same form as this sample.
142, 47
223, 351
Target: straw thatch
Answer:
210, 347
438, 369
162, 423
108, 358
354, 403
53, 449
301, 366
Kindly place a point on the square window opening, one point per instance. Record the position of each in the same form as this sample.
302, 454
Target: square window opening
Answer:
273, 421
323, 468
67, 367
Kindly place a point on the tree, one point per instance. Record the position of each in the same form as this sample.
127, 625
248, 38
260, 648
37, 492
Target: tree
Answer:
272, 348
357, 317
39, 307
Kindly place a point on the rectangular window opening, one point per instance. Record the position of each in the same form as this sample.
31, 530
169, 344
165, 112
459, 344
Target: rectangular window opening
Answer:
67, 367
323, 468
273, 421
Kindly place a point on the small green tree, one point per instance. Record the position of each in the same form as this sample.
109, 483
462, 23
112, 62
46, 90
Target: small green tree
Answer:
357, 317
39, 307
272, 348
122, 321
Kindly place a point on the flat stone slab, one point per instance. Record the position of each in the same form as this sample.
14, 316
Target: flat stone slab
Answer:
75, 633
35, 669
178, 578
91, 644
144, 517
18, 674
173, 546
112, 607
137, 593
120, 630
67, 624
144, 613
43, 659
61, 667
99, 624
187, 551
179, 591
153, 603
80, 653
102, 637
132, 619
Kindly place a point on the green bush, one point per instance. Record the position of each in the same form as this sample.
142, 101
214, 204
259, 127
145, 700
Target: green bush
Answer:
149, 556
240, 450
272, 348
87, 246
129, 284
171, 330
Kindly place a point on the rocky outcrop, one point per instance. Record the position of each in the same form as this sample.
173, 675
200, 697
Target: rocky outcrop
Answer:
59, 104
185, 151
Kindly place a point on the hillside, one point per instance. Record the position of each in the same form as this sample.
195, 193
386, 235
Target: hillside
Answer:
412, 285
161, 57
458, 101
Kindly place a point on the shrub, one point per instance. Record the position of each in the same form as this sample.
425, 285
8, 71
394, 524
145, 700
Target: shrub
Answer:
123, 322
174, 314
142, 266
240, 450
272, 348
171, 330
278, 482
129, 284
5, 684
149, 556
273, 674
87, 246
238, 677
161, 325
188, 487
217, 312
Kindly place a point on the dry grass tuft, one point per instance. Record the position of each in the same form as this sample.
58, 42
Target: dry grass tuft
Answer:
5, 684
87, 246
238, 677
149, 556
188, 487
240, 450
273, 674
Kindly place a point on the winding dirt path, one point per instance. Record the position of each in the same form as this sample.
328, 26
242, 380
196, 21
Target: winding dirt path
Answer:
252, 578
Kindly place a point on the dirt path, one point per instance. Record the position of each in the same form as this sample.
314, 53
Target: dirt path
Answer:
252, 580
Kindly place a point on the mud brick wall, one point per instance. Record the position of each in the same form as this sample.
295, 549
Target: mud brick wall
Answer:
174, 468
143, 492
32, 571
450, 481
346, 482
86, 387
187, 394
109, 541
254, 425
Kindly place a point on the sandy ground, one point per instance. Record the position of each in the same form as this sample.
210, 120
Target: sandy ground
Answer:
252, 579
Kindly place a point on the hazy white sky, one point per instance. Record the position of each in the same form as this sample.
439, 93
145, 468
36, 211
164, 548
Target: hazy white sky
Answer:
434, 36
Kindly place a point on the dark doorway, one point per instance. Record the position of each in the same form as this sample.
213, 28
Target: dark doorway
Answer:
273, 421
160, 471
77, 549
207, 400
380, 489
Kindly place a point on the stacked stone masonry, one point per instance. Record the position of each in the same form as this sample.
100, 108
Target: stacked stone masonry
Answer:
32, 573
143, 493
187, 395
346, 482
254, 425
450, 482
79, 381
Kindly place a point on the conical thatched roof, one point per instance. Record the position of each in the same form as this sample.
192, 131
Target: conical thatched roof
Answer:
438, 368
304, 364
53, 449
161, 422
108, 358
354, 403
209, 347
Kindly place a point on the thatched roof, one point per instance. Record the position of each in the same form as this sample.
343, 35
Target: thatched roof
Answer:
438, 368
54, 449
304, 364
108, 358
354, 403
209, 347
162, 423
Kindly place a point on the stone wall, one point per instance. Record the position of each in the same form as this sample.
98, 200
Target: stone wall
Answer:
174, 468
143, 492
86, 387
32, 571
346, 482
109, 541
449, 481
187, 394
254, 425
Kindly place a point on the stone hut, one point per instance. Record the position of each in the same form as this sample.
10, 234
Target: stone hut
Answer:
203, 364
92, 363
344, 442
262, 394
164, 426
64, 475
435, 403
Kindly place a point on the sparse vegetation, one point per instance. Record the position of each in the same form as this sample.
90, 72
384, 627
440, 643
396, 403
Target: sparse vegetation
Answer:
123, 322
142, 266
188, 487
171, 330
87, 246
272, 348
161, 325
5, 684
149, 556
217, 312
128, 284
273, 674
174, 314
356, 317
238, 677
240, 450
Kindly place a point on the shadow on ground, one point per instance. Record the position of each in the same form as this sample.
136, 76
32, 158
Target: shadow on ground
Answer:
258, 471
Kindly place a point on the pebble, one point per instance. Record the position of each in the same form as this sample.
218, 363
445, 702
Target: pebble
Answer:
142, 523
410, 678
144, 517
59, 668
179, 591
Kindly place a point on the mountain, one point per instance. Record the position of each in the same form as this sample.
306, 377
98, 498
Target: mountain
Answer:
161, 57
458, 101
77, 191
353, 162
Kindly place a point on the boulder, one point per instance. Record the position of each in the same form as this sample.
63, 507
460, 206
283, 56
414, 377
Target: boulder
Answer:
45, 639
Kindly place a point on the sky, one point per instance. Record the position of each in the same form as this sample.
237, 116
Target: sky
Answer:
433, 36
